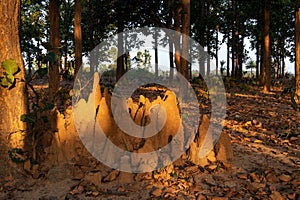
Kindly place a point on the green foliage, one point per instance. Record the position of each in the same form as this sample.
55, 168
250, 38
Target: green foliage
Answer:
251, 65
17, 155
31, 118
51, 57
294, 103
174, 174
232, 94
10, 67
245, 87
42, 72
28, 118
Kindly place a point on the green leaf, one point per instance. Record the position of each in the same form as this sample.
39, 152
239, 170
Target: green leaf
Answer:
28, 118
51, 57
49, 106
42, 72
10, 78
184, 115
294, 104
45, 119
17, 155
10, 66
5, 83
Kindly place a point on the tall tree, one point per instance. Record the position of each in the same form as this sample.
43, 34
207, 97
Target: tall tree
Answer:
78, 35
13, 99
266, 50
185, 41
55, 48
297, 44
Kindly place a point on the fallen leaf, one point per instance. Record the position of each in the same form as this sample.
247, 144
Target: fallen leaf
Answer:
285, 178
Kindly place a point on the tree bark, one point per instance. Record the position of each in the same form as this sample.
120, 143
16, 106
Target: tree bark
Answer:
91, 39
217, 46
297, 45
233, 42
171, 58
241, 57
208, 41
78, 35
228, 57
185, 38
258, 42
277, 60
13, 102
55, 45
120, 60
177, 22
237, 40
202, 36
266, 68
171, 42
156, 53
283, 57
257, 59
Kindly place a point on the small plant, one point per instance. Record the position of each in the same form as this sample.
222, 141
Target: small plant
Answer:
294, 103
31, 117
17, 155
11, 68
245, 87
232, 94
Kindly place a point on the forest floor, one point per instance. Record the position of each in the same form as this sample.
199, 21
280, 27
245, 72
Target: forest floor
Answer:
265, 134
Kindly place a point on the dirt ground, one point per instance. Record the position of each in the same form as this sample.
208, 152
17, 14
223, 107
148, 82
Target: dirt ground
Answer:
265, 134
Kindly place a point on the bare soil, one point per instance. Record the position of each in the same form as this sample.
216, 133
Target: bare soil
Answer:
265, 134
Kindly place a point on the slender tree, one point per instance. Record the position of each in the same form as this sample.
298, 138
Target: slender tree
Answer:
297, 44
185, 41
156, 53
55, 48
266, 51
78, 35
177, 21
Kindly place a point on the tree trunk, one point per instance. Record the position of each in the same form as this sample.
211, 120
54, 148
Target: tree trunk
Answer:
276, 61
12, 101
202, 37
297, 44
228, 57
78, 35
233, 55
171, 54
282, 58
233, 42
91, 39
177, 39
185, 38
217, 46
208, 63
156, 54
126, 56
258, 42
236, 70
237, 39
266, 72
171, 42
257, 59
208, 41
55, 45
120, 60
241, 57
